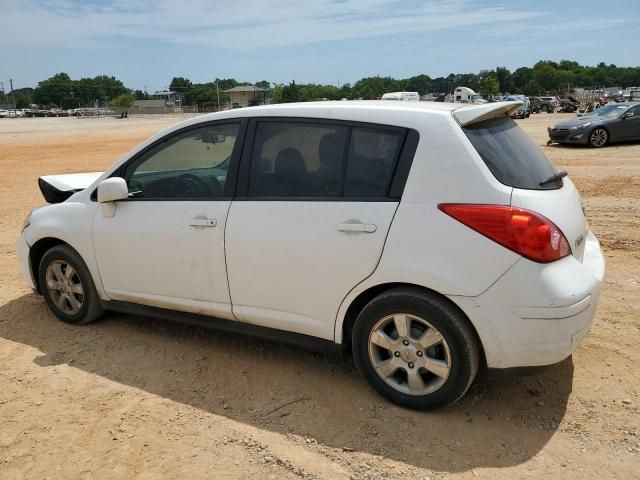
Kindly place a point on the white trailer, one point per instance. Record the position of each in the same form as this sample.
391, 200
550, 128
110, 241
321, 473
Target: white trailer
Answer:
466, 95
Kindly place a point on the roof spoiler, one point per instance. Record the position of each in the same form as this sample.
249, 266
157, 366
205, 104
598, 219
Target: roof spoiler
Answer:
468, 114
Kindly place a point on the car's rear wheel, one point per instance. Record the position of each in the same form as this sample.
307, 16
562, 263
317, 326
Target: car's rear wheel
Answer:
67, 286
599, 137
415, 349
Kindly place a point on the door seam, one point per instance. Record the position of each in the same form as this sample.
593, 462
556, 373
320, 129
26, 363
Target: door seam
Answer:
384, 244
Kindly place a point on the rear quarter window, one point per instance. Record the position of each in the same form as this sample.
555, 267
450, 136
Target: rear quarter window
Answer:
511, 155
371, 160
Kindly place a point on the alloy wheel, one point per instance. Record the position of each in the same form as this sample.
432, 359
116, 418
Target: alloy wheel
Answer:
64, 287
599, 137
409, 354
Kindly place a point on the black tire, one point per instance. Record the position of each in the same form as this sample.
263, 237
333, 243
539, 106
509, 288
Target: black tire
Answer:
90, 309
460, 338
599, 137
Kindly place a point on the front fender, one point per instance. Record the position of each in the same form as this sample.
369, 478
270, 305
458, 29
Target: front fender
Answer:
70, 222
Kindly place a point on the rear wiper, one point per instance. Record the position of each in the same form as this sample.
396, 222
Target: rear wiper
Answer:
555, 177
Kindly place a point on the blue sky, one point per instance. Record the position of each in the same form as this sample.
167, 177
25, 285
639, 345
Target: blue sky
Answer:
146, 43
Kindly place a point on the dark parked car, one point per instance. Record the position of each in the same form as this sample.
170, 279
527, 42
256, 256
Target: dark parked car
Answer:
617, 122
547, 104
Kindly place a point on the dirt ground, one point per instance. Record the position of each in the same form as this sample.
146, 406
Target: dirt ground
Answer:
134, 398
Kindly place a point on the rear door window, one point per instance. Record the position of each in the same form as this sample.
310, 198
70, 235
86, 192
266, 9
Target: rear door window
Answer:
511, 155
319, 160
372, 157
300, 160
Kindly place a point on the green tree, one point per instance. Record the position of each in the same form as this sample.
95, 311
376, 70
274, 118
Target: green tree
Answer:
564, 79
469, 80
374, 87
490, 85
180, 84
544, 75
276, 96
21, 97
124, 100
56, 90
505, 79
108, 87
441, 85
520, 78
290, 93
532, 88
419, 83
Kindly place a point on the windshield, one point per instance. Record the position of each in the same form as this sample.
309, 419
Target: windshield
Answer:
511, 155
609, 111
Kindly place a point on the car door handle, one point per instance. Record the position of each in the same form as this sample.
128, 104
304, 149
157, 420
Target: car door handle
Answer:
203, 222
357, 227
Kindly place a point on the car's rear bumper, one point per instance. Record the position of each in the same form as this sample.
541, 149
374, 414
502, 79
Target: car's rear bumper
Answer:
22, 250
538, 314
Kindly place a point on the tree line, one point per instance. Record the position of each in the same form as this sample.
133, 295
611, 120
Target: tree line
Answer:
545, 77
60, 91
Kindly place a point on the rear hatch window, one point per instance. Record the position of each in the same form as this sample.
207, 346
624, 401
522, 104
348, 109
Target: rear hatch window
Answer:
511, 155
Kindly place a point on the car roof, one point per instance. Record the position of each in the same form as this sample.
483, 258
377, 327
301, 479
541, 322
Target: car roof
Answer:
365, 109
352, 104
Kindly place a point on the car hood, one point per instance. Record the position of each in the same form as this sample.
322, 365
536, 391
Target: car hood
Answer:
576, 122
57, 188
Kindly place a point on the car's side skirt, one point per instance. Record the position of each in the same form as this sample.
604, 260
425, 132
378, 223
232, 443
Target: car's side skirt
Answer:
304, 341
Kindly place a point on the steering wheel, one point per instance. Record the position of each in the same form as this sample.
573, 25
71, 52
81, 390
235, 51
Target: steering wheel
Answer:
189, 185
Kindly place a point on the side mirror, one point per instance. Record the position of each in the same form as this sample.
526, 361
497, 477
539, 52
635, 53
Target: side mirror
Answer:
627, 115
112, 189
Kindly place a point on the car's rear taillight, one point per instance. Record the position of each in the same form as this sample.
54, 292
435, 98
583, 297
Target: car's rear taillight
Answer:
526, 233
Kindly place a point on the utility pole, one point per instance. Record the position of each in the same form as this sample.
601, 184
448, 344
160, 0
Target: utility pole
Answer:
218, 93
13, 97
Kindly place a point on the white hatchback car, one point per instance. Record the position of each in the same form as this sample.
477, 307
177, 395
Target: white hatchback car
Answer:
430, 238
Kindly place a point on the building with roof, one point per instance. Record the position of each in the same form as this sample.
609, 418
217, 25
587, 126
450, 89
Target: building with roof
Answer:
153, 106
247, 96
163, 101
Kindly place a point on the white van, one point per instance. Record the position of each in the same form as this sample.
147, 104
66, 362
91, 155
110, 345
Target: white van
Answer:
402, 96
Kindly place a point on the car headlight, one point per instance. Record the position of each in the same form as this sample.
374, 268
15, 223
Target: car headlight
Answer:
580, 127
27, 222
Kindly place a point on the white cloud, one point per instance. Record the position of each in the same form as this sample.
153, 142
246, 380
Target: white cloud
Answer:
241, 24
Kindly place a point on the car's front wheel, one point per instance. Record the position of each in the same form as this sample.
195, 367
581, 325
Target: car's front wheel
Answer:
67, 286
599, 137
415, 349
